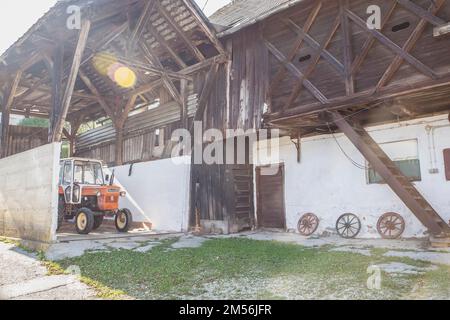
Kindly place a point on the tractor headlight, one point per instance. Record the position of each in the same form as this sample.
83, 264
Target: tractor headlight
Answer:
123, 194
76, 194
99, 194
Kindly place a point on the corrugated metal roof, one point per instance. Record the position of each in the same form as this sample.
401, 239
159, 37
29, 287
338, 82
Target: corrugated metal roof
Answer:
243, 13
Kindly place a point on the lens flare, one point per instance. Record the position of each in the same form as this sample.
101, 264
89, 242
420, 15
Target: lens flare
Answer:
125, 77
103, 61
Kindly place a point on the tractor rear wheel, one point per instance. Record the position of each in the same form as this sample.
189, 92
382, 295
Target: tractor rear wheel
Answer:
98, 220
84, 221
61, 212
124, 220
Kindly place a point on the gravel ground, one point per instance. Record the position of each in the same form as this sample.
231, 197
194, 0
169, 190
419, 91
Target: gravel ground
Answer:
24, 278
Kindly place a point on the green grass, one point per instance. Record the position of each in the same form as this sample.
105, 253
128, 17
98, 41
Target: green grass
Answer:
247, 269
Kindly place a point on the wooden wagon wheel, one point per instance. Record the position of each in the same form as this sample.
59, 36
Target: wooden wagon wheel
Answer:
391, 225
308, 224
348, 226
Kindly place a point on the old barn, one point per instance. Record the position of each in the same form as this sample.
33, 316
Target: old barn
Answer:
362, 111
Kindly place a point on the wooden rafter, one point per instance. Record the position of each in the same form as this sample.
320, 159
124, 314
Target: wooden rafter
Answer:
428, 16
360, 58
67, 97
325, 54
295, 48
409, 45
296, 72
347, 47
170, 86
143, 20
163, 12
204, 26
162, 42
6, 111
313, 63
392, 46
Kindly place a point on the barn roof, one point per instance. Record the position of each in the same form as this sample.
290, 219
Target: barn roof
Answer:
240, 14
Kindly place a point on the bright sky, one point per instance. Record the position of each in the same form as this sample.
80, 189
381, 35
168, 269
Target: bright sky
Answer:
17, 16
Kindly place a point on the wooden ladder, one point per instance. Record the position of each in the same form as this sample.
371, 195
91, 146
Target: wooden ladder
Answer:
393, 176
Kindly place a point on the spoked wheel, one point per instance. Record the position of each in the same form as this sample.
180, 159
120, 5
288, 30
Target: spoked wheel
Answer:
348, 226
308, 224
391, 225
124, 219
84, 221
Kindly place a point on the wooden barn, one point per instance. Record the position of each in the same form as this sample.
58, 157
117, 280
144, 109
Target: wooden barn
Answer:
359, 91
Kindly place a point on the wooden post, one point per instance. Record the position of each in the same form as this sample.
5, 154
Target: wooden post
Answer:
56, 69
119, 143
82, 40
8, 101
184, 106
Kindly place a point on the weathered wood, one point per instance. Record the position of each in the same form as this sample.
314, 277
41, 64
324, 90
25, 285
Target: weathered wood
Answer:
428, 16
6, 110
82, 40
56, 69
347, 46
140, 25
179, 31
409, 44
296, 72
313, 63
392, 46
442, 30
203, 25
207, 89
297, 45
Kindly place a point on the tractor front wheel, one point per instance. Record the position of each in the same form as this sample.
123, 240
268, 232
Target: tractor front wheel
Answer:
124, 219
84, 221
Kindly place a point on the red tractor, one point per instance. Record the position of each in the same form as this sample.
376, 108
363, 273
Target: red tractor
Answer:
85, 195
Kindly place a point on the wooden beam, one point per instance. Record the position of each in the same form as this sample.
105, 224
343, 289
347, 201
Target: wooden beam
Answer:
184, 106
296, 72
311, 67
162, 42
392, 46
6, 111
103, 104
360, 58
146, 88
140, 25
409, 45
56, 68
82, 40
295, 48
153, 59
325, 54
204, 26
442, 30
209, 83
347, 48
428, 16
163, 12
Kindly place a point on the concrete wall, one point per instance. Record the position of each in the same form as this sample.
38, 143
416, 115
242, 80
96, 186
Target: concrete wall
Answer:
157, 192
29, 194
328, 184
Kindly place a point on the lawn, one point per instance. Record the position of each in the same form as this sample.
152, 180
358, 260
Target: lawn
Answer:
249, 269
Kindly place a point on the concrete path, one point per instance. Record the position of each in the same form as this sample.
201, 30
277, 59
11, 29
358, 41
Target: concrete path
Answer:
22, 277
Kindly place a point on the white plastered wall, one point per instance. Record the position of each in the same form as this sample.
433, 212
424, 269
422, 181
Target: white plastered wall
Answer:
157, 192
29, 194
327, 184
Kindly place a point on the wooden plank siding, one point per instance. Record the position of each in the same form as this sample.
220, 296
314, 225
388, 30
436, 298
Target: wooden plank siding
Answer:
25, 138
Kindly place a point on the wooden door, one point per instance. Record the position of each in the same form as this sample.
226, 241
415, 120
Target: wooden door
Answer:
270, 196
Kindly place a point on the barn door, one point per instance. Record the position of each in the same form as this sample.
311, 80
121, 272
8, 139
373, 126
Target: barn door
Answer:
270, 196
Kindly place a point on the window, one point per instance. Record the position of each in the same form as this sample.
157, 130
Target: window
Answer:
410, 168
405, 155
67, 173
88, 173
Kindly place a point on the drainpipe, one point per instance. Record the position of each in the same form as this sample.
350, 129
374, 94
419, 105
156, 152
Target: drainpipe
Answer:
431, 130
